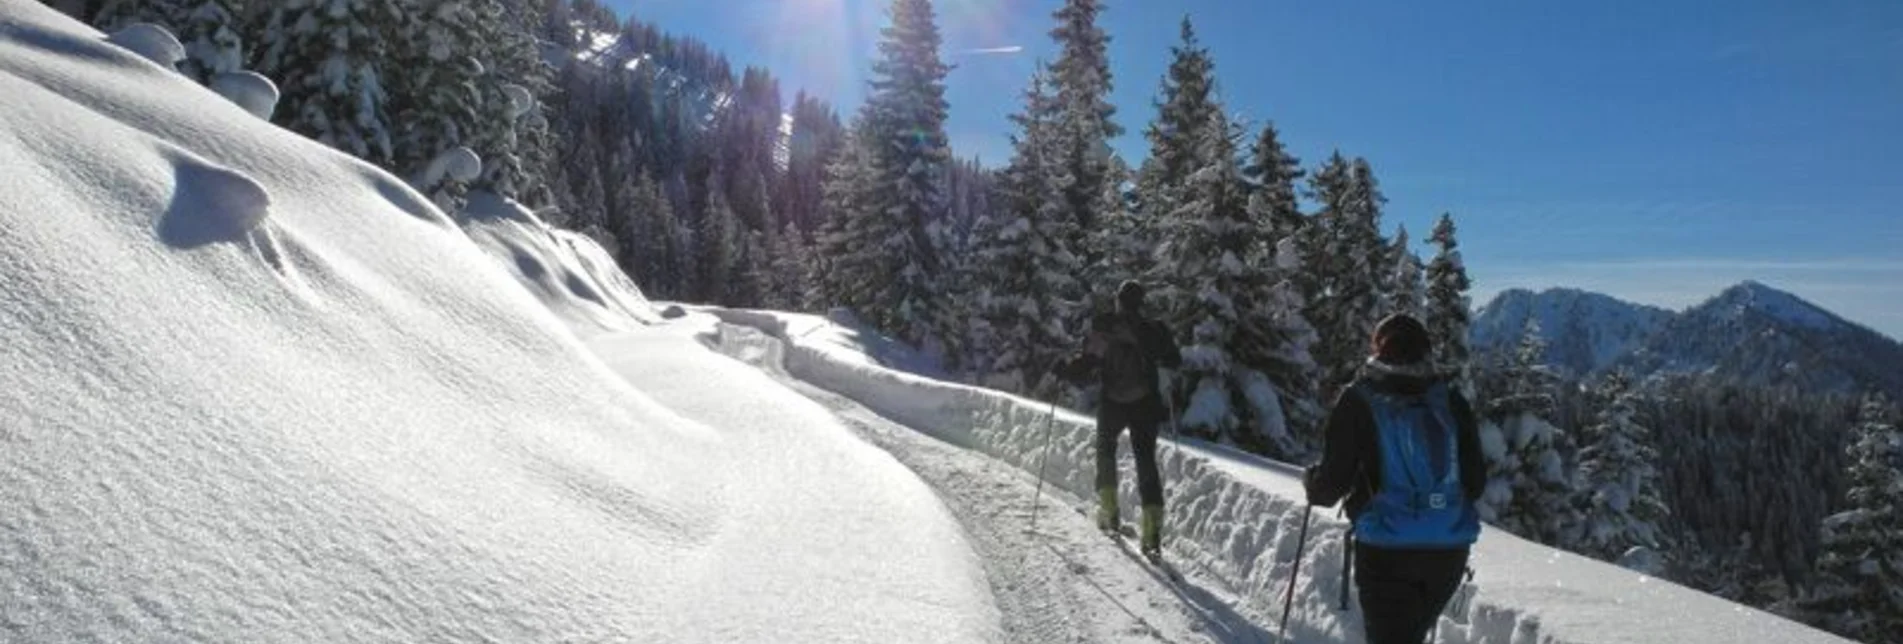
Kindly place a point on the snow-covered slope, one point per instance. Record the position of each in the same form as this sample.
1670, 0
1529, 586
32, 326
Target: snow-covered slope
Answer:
257, 391
1584, 331
1757, 334
1234, 517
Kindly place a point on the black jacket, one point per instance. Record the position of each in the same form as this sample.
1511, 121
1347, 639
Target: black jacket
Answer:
1159, 349
1351, 454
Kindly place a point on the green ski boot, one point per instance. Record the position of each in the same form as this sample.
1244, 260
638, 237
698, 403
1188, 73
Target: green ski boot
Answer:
1151, 529
1107, 519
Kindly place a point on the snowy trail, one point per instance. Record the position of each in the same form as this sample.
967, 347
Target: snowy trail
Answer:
1062, 582
855, 543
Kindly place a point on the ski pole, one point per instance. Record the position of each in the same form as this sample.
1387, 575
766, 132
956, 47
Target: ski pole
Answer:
1169, 400
1347, 562
1044, 457
1288, 601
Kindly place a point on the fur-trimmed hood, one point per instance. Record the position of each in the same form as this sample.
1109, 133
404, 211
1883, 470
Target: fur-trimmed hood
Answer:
1402, 378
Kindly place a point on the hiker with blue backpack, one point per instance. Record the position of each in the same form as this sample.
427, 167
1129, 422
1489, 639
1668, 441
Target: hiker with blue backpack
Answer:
1403, 447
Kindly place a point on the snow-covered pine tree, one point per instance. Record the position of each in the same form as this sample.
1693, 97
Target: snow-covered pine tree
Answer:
1619, 477
1346, 251
840, 271
1272, 173
1081, 80
330, 58
1862, 564
718, 243
113, 15
1185, 104
512, 131
786, 285
1531, 488
1212, 265
897, 271
650, 248
436, 102
1406, 288
212, 33
1528, 383
210, 30
1448, 308
1285, 356
746, 285
1025, 266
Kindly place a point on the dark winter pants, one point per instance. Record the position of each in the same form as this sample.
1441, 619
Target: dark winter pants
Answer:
1141, 419
1403, 591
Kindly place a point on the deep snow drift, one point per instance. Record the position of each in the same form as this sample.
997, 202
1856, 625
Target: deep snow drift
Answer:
257, 391
1233, 517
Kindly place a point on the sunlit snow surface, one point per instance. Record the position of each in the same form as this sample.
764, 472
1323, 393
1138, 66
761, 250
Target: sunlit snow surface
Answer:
318, 413
256, 391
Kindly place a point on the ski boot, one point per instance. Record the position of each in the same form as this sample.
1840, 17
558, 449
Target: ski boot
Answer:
1107, 519
1151, 531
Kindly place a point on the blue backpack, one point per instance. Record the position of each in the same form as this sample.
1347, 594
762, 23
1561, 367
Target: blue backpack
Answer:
1419, 502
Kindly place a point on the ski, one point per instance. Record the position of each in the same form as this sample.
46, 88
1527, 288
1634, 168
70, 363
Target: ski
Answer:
1154, 559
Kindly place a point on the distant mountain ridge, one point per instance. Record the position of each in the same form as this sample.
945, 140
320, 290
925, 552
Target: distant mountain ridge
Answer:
1584, 331
1749, 333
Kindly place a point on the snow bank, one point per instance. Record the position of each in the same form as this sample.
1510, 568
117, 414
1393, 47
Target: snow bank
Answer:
572, 275
1234, 517
257, 391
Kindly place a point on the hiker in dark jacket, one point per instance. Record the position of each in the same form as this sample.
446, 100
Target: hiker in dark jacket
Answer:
1124, 349
1403, 447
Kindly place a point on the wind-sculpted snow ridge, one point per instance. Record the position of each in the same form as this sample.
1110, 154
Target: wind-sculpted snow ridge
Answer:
1234, 518
568, 271
254, 390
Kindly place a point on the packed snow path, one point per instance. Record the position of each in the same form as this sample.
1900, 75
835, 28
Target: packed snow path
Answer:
1058, 580
1063, 583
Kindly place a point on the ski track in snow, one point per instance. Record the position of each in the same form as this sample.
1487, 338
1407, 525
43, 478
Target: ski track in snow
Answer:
1060, 582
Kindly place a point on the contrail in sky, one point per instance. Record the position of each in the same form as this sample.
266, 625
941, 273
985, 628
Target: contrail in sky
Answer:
993, 51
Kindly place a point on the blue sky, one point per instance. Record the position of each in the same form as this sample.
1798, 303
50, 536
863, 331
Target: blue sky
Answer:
1655, 151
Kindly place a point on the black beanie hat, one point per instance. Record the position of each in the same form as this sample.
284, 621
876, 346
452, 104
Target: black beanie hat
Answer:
1401, 340
1130, 294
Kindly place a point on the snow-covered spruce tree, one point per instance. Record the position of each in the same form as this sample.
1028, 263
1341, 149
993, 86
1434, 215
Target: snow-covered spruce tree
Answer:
1406, 289
210, 30
1619, 477
648, 247
512, 131
896, 271
1448, 307
436, 101
1272, 173
1286, 357
330, 59
718, 243
840, 273
1530, 487
1081, 80
786, 283
113, 15
1213, 267
1346, 265
1862, 564
1528, 383
1185, 104
1024, 262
